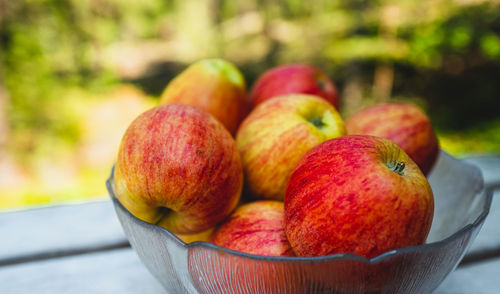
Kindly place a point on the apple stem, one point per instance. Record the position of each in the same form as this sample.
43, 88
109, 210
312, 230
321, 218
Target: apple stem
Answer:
321, 84
162, 212
317, 122
399, 167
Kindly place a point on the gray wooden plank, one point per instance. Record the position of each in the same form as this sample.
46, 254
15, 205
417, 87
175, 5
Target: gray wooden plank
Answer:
479, 278
120, 271
65, 228
489, 165
114, 271
487, 243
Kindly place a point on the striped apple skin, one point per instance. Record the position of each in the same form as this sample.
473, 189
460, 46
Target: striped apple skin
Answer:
178, 167
294, 79
345, 197
255, 228
276, 134
214, 85
403, 123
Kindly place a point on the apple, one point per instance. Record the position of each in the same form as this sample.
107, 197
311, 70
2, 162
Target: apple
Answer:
255, 228
403, 123
203, 236
214, 85
276, 134
357, 194
179, 168
294, 78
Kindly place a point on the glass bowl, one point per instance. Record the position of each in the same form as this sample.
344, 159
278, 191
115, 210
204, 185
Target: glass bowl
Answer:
461, 206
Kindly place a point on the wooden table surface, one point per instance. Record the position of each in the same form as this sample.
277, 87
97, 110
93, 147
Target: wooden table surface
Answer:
81, 248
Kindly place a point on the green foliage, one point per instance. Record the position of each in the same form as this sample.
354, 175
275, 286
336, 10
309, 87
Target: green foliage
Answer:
490, 44
444, 53
51, 46
465, 29
484, 138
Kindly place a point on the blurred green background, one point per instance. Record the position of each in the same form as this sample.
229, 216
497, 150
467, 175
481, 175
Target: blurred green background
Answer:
74, 73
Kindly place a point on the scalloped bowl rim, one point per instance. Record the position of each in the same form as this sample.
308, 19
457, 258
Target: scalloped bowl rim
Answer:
488, 193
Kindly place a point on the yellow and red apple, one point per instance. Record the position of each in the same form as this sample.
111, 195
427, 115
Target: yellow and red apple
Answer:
255, 228
403, 123
203, 236
357, 194
214, 85
276, 134
294, 79
179, 168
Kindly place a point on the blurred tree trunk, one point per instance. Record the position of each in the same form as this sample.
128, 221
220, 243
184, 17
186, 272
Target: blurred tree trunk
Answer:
3, 90
383, 79
269, 12
5, 8
215, 9
3, 116
352, 95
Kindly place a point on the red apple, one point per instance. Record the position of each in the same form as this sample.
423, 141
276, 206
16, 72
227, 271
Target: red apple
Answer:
255, 228
214, 85
403, 123
357, 194
178, 167
276, 134
294, 78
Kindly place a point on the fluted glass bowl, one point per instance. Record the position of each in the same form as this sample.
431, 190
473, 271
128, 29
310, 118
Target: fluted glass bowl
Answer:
461, 206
